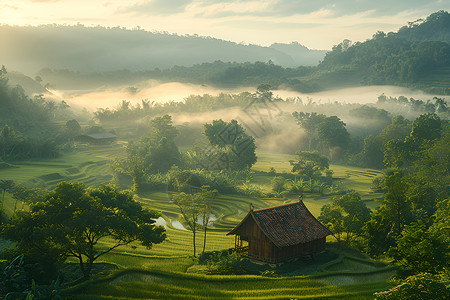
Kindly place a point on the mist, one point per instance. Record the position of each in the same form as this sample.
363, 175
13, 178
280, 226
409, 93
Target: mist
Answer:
98, 48
151, 90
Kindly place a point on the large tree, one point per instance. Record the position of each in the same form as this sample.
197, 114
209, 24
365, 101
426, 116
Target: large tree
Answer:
72, 220
236, 149
155, 152
348, 214
9, 141
309, 122
333, 134
309, 165
421, 250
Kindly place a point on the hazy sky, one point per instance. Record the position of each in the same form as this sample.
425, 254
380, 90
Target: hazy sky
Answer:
317, 24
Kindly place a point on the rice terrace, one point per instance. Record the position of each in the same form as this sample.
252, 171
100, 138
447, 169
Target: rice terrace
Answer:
140, 163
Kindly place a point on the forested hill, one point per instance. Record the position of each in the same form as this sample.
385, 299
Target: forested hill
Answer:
29, 49
418, 55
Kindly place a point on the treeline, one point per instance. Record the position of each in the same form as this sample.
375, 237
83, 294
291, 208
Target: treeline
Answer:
26, 123
217, 73
410, 226
403, 58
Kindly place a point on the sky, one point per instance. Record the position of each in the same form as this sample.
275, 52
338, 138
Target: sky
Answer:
317, 24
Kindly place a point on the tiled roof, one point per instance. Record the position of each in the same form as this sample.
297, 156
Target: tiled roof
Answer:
288, 224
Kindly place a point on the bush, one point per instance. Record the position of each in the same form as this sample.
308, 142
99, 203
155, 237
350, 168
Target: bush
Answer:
421, 287
225, 262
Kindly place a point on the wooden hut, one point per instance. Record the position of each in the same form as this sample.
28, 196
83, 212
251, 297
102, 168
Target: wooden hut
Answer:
279, 233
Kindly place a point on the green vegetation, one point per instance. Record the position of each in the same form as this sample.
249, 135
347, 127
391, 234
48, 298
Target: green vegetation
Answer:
193, 182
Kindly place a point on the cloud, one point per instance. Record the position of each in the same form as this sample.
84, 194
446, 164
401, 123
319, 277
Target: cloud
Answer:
262, 8
349, 7
158, 7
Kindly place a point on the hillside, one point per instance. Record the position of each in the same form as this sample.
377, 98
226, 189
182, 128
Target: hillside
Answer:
405, 58
100, 49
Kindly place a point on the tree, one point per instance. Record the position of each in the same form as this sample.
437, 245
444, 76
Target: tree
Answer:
441, 224
194, 207
236, 149
223, 134
421, 250
278, 184
333, 134
345, 214
310, 165
154, 153
263, 93
72, 220
73, 128
309, 122
9, 140
356, 214
394, 213
332, 217
395, 202
423, 286
426, 127
6, 186
206, 198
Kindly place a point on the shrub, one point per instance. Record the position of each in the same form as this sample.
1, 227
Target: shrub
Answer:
421, 287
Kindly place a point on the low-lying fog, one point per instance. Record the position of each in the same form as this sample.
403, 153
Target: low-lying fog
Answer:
175, 91
273, 127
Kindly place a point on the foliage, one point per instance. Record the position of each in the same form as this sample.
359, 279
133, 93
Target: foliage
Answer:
45, 292
278, 185
234, 145
71, 220
348, 214
226, 263
310, 165
309, 122
441, 224
155, 153
399, 58
6, 186
421, 286
195, 207
10, 140
421, 250
13, 277
333, 134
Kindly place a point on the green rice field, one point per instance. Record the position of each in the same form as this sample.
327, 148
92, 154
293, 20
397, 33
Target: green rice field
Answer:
163, 271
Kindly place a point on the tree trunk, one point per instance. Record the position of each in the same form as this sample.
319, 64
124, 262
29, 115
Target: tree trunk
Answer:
88, 269
204, 241
193, 233
15, 205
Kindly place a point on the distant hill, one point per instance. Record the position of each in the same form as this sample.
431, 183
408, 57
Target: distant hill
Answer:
29, 85
410, 57
436, 27
301, 55
87, 49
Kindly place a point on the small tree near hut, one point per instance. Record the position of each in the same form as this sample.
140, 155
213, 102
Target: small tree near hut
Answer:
194, 208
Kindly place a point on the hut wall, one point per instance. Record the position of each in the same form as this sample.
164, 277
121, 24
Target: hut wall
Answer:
259, 245
300, 249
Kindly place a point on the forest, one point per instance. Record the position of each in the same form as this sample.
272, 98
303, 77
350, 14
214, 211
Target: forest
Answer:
416, 56
135, 200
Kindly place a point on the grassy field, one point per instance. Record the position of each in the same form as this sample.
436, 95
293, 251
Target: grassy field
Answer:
160, 272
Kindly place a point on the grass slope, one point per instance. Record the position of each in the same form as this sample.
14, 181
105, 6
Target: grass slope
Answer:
160, 272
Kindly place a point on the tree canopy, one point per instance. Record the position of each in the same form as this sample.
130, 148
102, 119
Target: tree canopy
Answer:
72, 220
